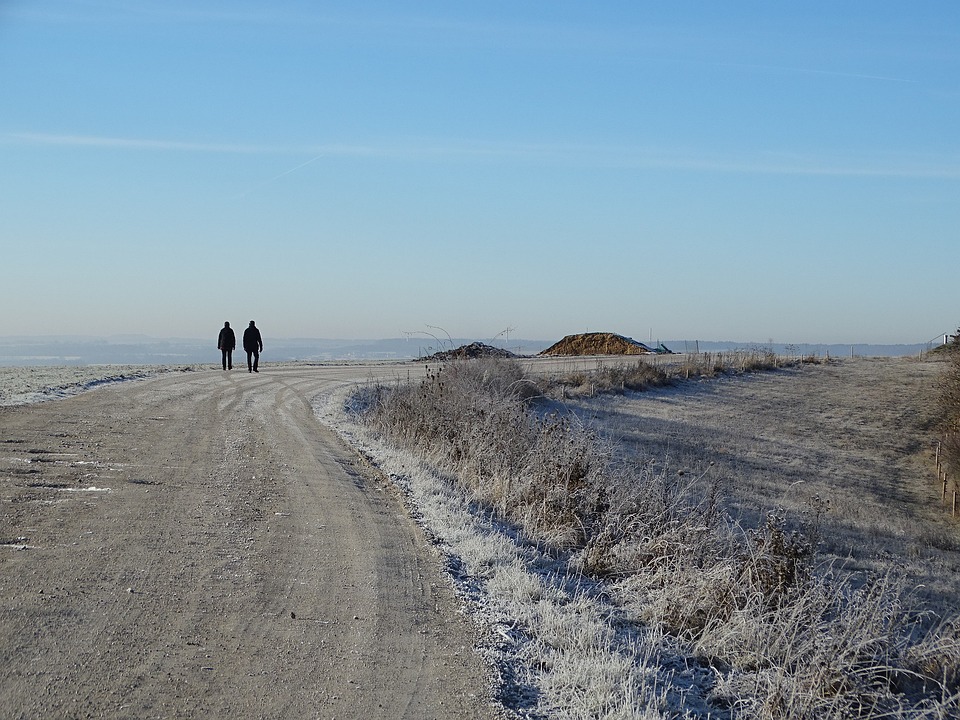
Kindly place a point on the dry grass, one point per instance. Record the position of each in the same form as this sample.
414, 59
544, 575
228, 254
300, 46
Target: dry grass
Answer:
652, 371
781, 640
854, 435
950, 411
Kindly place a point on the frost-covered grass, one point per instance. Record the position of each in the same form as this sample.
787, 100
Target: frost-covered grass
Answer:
25, 385
617, 592
559, 647
655, 371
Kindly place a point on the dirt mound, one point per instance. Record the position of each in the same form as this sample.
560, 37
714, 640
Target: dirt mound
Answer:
597, 343
470, 352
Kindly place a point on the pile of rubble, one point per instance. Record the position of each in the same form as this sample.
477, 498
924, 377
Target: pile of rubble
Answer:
597, 343
470, 352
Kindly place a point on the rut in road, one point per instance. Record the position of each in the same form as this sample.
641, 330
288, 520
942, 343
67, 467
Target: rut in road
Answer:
199, 545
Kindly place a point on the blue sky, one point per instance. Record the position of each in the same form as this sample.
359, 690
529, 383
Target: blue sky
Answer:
720, 171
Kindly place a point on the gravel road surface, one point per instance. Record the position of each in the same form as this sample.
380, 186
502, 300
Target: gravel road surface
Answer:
198, 545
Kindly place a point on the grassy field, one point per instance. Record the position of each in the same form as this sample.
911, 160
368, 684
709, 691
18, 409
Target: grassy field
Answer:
760, 545
850, 442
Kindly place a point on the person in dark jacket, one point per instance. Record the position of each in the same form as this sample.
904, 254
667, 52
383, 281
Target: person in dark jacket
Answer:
225, 344
253, 344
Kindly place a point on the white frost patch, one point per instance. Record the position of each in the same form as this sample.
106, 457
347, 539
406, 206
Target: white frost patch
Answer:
92, 488
26, 385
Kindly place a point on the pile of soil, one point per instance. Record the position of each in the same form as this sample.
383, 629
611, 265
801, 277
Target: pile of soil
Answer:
597, 343
471, 352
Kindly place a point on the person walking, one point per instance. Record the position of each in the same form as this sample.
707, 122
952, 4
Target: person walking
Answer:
225, 344
253, 344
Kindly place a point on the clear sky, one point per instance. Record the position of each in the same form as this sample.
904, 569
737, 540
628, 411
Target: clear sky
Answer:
752, 171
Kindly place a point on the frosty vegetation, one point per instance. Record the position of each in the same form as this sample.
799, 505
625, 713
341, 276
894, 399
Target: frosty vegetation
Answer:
633, 596
950, 409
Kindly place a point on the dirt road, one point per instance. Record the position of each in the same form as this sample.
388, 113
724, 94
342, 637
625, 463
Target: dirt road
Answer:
198, 545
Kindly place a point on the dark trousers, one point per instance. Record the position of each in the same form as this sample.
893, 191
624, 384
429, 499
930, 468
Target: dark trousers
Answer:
253, 358
227, 359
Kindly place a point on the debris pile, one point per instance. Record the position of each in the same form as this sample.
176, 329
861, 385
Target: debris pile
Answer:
597, 343
470, 352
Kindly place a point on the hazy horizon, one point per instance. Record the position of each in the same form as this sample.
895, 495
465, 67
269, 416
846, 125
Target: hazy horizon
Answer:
144, 350
444, 339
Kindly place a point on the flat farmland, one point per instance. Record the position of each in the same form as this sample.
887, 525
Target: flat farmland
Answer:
850, 441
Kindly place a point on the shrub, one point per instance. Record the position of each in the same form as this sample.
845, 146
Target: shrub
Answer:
472, 418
